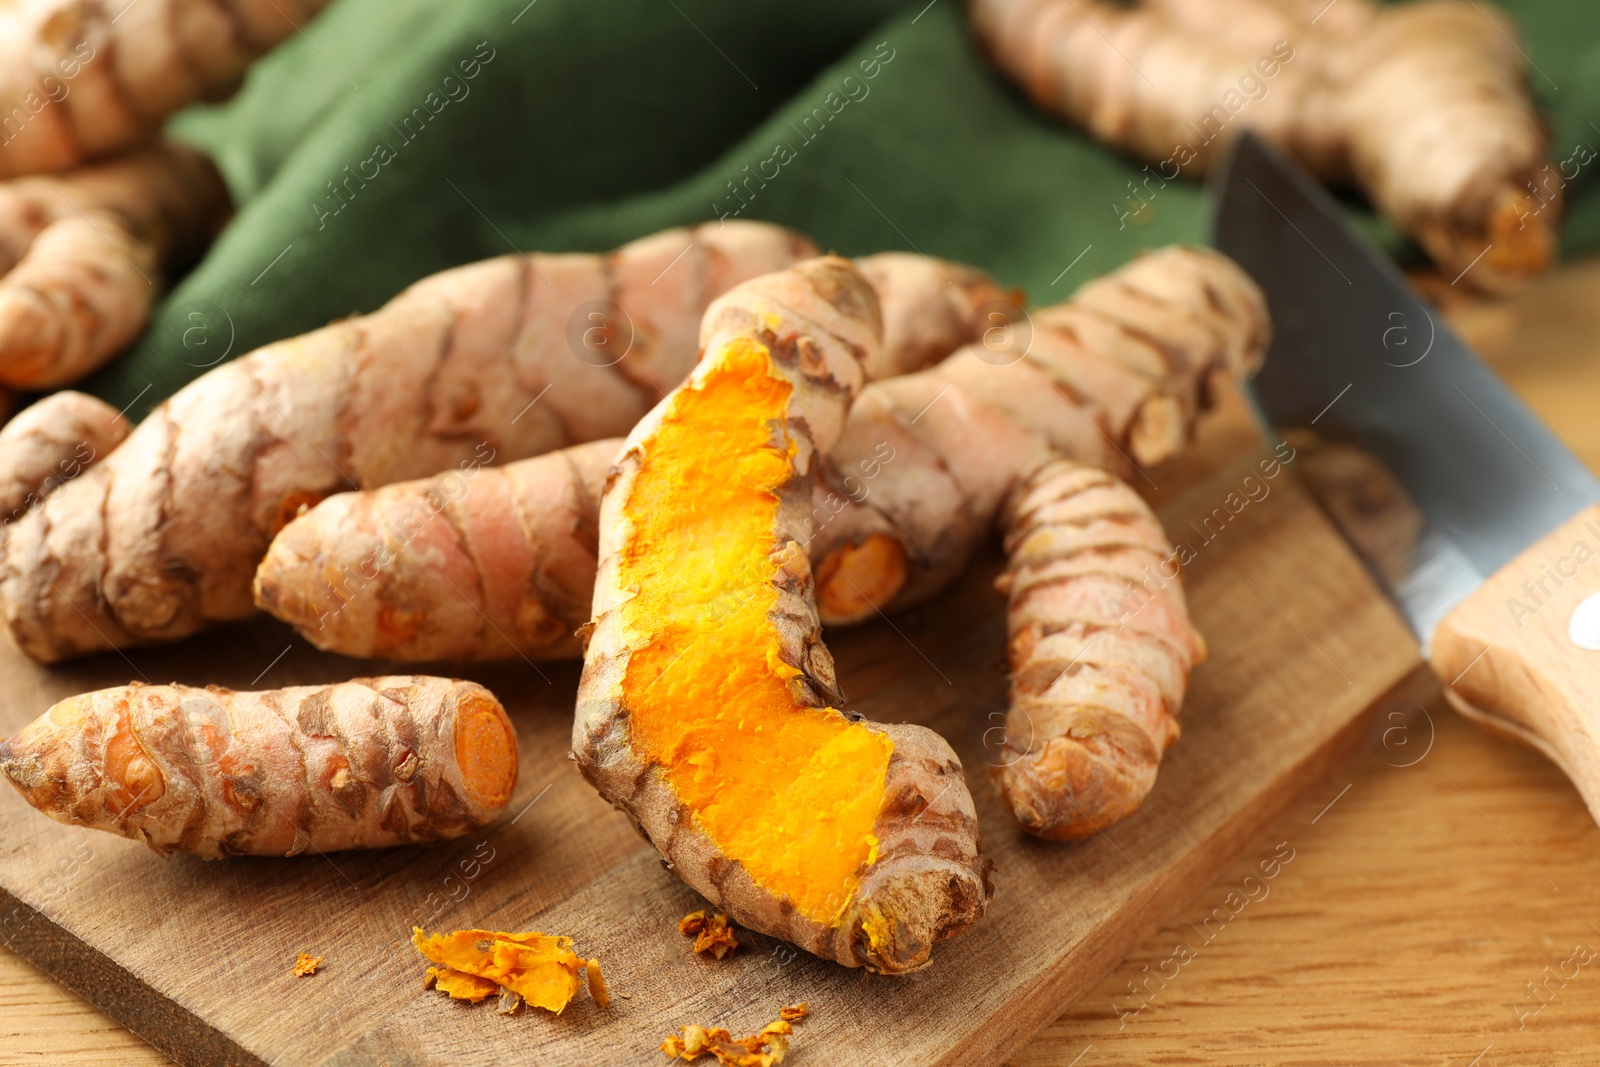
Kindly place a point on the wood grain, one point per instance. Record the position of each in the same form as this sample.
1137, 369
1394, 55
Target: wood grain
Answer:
1410, 922
196, 956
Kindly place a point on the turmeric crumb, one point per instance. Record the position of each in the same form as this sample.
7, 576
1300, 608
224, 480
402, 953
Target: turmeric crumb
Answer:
527, 968
306, 964
763, 1049
459, 985
597, 984
794, 1013
716, 935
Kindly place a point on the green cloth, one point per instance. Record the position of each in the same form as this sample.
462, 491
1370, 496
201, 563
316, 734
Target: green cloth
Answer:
586, 124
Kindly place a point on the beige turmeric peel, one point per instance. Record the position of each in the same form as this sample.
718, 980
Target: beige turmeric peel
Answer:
708, 708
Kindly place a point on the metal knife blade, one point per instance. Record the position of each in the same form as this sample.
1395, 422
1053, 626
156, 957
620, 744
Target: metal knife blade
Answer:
1357, 357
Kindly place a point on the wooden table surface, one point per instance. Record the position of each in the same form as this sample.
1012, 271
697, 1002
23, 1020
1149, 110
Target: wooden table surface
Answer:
1436, 901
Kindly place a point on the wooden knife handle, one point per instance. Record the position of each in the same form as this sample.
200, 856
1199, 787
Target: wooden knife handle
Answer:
1521, 655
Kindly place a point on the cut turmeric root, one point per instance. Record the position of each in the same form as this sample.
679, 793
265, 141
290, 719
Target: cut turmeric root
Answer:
486, 363
706, 709
86, 79
86, 254
1422, 105
364, 764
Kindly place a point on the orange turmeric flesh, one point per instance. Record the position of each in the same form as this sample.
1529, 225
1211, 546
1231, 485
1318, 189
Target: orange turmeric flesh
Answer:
540, 969
790, 792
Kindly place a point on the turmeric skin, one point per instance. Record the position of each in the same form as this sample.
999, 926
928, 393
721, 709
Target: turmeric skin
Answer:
531, 968
368, 763
708, 708
51, 442
130, 66
85, 254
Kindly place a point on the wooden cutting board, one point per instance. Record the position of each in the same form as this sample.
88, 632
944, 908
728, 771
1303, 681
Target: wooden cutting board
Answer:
196, 956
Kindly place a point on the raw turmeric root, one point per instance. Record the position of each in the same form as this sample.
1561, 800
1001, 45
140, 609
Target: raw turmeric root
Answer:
503, 562
1100, 651
495, 361
1101, 646
52, 442
85, 255
85, 79
706, 709
364, 764
466, 367
529, 968
763, 1049
1421, 105
1113, 378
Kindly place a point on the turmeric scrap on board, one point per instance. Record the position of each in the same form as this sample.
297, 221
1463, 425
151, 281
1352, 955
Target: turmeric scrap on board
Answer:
306, 964
762, 1049
715, 933
597, 984
532, 968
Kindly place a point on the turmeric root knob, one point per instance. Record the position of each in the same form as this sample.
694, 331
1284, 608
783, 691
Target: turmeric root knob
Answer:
364, 764
854, 579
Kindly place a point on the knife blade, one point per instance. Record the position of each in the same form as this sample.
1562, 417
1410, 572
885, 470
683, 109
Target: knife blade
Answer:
1359, 357
1505, 554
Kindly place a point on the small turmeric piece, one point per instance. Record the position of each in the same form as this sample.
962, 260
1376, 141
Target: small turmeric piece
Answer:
368, 763
597, 984
793, 1013
763, 1049
716, 934
306, 964
459, 984
540, 969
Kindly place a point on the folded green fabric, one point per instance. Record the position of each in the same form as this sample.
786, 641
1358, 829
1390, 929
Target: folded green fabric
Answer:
394, 138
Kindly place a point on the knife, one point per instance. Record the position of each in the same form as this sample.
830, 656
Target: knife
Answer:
1499, 576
